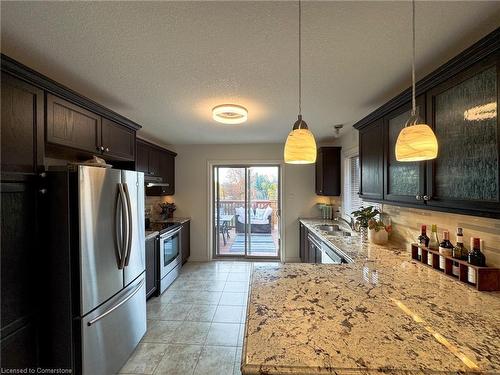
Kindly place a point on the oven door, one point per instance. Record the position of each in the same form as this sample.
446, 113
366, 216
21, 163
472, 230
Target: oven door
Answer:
170, 245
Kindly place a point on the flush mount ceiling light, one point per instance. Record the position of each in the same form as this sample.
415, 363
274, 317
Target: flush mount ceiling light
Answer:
416, 141
230, 114
300, 146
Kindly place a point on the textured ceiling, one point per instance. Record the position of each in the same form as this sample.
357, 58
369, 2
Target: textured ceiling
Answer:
166, 64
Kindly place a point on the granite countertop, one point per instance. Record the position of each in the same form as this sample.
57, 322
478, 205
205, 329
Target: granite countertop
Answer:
382, 313
151, 234
180, 220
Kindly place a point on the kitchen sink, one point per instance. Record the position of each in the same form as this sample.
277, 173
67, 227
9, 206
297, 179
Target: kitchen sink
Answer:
333, 230
329, 228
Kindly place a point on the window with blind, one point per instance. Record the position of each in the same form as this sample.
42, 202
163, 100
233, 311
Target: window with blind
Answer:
352, 201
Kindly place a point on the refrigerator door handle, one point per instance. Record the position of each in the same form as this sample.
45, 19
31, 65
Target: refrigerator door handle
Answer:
133, 293
129, 223
124, 226
119, 228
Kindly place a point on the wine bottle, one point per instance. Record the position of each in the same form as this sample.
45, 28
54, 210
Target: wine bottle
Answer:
459, 252
445, 248
476, 258
423, 241
433, 244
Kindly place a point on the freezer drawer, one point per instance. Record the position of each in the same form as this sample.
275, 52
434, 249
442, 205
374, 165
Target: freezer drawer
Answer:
111, 332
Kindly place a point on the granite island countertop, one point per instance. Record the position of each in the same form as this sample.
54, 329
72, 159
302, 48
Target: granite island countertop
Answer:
384, 313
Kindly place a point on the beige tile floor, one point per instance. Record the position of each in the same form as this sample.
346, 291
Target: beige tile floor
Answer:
197, 325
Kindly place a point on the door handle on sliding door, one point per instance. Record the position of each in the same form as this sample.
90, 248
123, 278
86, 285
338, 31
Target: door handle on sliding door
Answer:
129, 224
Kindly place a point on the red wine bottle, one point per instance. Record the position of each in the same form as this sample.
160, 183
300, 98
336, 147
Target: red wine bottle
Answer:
445, 248
476, 258
423, 241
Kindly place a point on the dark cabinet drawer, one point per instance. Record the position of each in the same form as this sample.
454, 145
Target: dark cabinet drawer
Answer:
117, 141
72, 126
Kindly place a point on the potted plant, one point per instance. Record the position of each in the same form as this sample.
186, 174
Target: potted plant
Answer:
167, 210
363, 216
378, 231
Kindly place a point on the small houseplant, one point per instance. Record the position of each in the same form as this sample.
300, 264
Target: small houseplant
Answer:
378, 231
363, 216
167, 210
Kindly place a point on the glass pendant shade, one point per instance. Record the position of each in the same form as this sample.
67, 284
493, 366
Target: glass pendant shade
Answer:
300, 146
416, 143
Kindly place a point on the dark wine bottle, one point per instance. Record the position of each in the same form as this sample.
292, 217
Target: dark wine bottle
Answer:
476, 258
459, 252
423, 241
445, 248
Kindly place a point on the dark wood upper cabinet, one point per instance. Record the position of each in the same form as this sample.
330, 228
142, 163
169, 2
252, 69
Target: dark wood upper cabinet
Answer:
371, 156
403, 181
158, 165
69, 125
154, 162
117, 140
459, 100
328, 171
167, 171
142, 157
463, 113
22, 139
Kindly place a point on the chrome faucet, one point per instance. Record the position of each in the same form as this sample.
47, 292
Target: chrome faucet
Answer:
351, 224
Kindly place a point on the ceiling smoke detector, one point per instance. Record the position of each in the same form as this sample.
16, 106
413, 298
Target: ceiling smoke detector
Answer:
337, 129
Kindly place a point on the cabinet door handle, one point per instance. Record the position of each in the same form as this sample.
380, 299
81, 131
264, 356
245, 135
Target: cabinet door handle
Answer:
418, 197
106, 149
43, 191
101, 148
426, 197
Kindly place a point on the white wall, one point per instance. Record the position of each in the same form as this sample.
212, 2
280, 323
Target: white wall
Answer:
191, 190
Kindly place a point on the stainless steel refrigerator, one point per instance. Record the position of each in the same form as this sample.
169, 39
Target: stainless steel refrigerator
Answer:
94, 313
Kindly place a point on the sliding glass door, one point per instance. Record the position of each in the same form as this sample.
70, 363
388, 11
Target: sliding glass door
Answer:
245, 213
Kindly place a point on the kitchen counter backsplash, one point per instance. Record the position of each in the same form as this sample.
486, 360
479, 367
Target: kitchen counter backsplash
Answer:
406, 223
153, 202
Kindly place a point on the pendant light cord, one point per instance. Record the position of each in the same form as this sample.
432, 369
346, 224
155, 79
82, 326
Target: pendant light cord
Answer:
413, 101
300, 58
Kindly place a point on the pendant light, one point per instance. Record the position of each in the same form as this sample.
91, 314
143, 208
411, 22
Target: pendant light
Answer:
300, 146
416, 141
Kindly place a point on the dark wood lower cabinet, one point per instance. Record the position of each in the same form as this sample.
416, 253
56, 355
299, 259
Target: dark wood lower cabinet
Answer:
303, 246
152, 270
185, 241
19, 252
